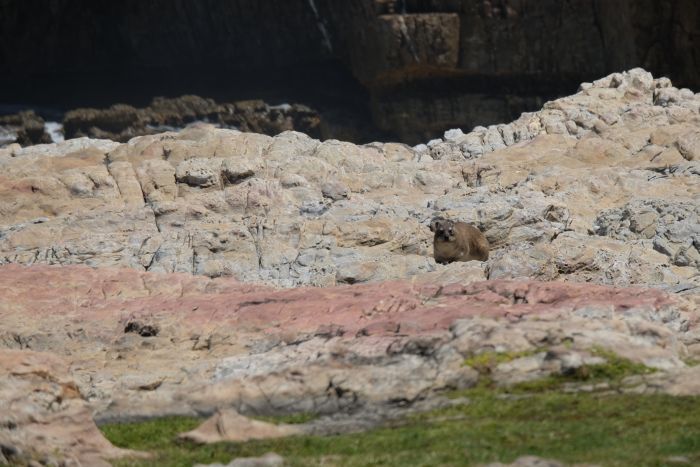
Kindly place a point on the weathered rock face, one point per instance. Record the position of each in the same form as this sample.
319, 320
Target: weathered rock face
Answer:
146, 344
428, 65
601, 186
44, 418
411, 34
413, 37
594, 193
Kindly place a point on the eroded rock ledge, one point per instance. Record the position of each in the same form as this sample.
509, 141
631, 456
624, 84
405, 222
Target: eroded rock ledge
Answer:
600, 186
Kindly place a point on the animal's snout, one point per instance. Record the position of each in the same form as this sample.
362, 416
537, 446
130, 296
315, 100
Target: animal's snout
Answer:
443, 233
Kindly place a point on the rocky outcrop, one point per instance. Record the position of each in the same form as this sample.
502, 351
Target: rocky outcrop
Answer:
151, 344
534, 461
45, 420
550, 191
426, 65
229, 425
25, 128
123, 122
268, 460
673, 228
212, 271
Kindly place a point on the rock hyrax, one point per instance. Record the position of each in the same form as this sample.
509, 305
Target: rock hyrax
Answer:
457, 241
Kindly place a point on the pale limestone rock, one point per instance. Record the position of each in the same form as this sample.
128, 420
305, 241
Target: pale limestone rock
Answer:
228, 425
291, 210
689, 145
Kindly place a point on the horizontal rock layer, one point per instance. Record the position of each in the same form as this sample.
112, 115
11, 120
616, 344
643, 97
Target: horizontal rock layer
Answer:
600, 186
123, 122
144, 344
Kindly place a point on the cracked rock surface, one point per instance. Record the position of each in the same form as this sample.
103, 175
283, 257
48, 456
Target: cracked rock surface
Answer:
146, 344
601, 186
206, 270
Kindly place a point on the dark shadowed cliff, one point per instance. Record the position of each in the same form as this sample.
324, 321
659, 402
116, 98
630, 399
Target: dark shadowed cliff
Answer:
412, 67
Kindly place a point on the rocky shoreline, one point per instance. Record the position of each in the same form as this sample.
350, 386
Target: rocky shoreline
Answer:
122, 122
184, 273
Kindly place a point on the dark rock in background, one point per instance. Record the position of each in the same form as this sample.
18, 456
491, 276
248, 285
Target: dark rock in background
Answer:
25, 128
406, 69
122, 122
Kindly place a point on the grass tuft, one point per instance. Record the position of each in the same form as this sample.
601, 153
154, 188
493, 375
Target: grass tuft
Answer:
621, 430
486, 362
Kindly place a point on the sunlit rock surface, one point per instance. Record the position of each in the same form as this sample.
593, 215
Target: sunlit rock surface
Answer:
205, 270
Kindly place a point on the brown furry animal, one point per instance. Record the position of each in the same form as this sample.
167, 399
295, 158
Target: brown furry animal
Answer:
457, 241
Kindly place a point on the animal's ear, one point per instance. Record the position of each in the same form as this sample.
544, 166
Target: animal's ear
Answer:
432, 225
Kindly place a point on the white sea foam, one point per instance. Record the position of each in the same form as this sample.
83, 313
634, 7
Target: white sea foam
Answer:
7, 136
284, 107
55, 130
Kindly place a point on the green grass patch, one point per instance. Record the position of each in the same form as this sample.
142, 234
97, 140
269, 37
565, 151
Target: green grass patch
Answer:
151, 434
616, 430
612, 371
691, 361
498, 424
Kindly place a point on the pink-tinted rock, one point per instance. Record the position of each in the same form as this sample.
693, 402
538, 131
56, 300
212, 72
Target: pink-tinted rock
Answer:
110, 299
144, 344
44, 416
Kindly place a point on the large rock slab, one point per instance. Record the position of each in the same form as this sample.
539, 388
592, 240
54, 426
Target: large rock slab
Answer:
600, 186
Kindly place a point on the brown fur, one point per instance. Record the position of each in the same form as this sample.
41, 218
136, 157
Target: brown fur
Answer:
457, 241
